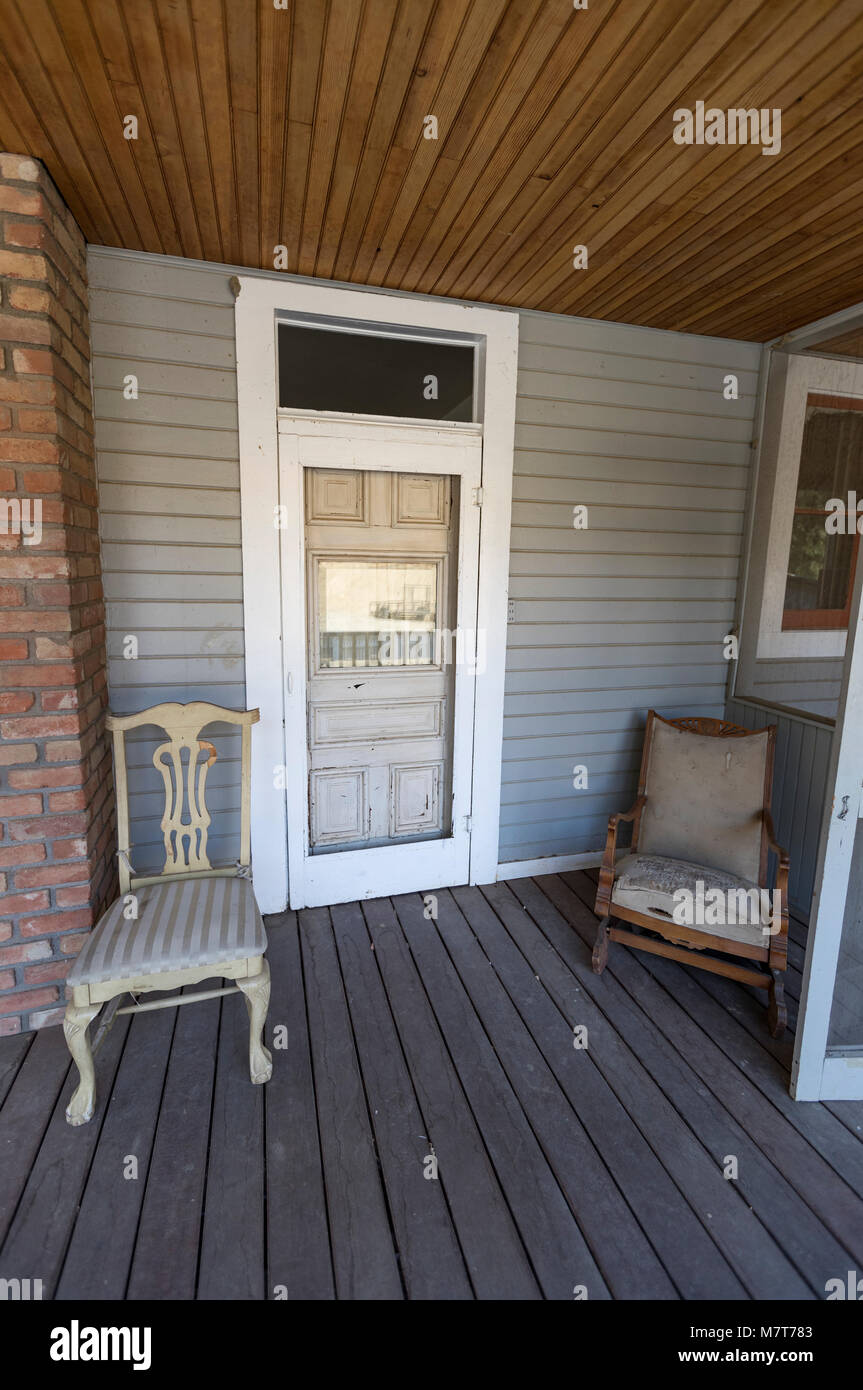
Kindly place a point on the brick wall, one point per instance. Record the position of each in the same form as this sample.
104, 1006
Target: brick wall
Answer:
57, 869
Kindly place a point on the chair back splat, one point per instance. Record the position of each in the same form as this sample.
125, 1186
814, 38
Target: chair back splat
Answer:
183, 761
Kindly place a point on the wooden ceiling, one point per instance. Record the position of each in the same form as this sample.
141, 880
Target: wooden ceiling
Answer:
844, 345
303, 127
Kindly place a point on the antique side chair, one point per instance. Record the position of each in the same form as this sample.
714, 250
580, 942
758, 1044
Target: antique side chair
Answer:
702, 814
185, 924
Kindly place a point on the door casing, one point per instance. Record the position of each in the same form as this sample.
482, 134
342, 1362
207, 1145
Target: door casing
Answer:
260, 298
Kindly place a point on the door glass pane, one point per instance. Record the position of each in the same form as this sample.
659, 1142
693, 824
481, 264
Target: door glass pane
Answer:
824, 539
375, 612
367, 374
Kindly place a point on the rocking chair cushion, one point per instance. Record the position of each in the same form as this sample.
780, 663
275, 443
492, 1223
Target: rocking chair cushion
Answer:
647, 883
181, 924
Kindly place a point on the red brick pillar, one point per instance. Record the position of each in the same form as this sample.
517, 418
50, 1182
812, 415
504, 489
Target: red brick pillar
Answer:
56, 803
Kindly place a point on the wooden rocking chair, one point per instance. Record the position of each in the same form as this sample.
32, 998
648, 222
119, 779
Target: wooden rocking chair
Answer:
701, 817
185, 924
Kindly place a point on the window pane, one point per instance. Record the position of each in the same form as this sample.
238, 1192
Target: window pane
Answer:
363, 374
831, 460
376, 613
821, 564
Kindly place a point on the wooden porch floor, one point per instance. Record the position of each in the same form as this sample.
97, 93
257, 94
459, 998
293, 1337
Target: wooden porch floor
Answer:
557, 1166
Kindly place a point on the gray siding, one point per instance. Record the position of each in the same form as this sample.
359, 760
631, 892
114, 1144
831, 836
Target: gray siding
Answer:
799, 784
631, 613
812, 686
169, 487
608, 622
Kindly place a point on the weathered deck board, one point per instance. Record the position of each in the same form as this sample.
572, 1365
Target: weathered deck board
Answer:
232, 1238
299, 1261
661, 1207
691, 1166
432, 1263
364, 1257
12, 1056
25, 1115
695, 1078
557, 1166
495, 1256
696, 1032
165, 1262
629, 1265
722, 1007
39, 1233
103, 1239
550, 1234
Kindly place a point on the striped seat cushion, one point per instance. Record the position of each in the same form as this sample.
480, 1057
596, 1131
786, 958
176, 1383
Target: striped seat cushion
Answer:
181, 924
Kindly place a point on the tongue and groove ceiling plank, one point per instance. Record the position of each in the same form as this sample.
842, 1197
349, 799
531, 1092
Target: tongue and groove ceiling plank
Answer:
303, 127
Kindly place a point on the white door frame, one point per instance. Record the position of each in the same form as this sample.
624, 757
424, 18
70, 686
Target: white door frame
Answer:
816, 1073
260, 302
322, 879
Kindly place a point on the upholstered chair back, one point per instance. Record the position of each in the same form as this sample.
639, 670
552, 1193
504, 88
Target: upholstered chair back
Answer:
705, 795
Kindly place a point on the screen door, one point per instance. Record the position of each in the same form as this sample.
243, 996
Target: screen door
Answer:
379, 592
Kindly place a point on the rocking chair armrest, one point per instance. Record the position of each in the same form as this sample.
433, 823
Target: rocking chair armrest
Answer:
606, 872
781, 854
638, 805
614, 821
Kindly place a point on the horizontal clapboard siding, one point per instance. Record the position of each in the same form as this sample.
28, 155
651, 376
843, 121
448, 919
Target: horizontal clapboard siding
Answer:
799, 786
169, 483
809, 685
607, 622
630, 613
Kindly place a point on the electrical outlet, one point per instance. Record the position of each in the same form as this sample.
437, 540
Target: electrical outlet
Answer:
510, 611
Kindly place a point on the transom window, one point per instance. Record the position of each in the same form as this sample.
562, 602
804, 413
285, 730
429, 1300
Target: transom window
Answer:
327, 369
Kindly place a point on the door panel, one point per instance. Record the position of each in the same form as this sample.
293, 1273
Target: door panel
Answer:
378, 720
415, 799
336, 495
419, 500
338, 804
381, 565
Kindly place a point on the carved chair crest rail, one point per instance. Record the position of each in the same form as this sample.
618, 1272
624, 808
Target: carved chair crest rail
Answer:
186, 923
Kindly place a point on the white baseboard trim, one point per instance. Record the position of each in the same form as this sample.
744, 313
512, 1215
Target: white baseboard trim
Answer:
554, 864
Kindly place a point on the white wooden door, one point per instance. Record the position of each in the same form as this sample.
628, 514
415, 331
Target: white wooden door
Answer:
380, 533
381, 557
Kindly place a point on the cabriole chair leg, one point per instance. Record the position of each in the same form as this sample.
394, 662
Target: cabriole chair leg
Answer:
257, 992
75, 1025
